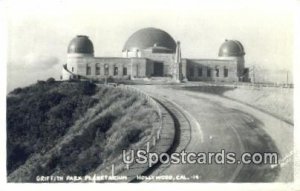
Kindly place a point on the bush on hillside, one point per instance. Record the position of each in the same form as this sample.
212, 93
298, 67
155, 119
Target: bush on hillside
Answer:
50, 80
43, 115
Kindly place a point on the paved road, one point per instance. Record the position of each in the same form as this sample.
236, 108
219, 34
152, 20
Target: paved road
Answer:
219, 123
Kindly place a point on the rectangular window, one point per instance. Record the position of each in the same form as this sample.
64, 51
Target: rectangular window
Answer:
115, 70
88, 70
225, 72
97, 69
191, 72
199, 71
72, 69
208, 72
124, 71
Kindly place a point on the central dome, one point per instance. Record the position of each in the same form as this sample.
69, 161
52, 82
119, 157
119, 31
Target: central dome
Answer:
150, 38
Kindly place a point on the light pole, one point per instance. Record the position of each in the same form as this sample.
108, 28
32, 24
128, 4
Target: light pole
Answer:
253, 74
287, 77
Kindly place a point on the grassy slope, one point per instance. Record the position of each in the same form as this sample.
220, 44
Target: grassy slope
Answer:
71, 128
276, 101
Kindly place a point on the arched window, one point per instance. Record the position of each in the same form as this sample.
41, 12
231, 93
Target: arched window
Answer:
88, 69
97, 69
116, 71
106, 69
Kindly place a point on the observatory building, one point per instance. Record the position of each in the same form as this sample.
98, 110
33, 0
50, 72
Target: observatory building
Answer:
151, 53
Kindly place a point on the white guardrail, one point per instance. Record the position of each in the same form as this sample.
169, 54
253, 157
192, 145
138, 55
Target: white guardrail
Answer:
244, 84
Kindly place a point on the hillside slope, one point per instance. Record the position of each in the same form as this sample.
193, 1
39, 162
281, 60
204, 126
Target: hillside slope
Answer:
275, 101
64, 128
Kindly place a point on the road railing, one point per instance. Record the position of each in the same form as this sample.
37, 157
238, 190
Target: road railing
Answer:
243, 85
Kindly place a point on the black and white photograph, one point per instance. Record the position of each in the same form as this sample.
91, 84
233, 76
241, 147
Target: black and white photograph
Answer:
187, 93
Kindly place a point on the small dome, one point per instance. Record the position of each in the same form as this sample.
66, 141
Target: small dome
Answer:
151, 38
81, 44
231, 48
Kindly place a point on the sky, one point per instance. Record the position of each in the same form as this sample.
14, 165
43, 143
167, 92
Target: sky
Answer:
40, 31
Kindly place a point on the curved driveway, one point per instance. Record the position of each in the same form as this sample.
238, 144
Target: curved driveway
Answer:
219, 123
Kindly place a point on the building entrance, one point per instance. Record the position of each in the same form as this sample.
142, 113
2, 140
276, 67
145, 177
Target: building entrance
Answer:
158, 69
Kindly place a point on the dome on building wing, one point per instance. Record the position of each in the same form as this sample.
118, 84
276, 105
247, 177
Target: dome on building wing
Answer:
81, 44
150, 38
231, 48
